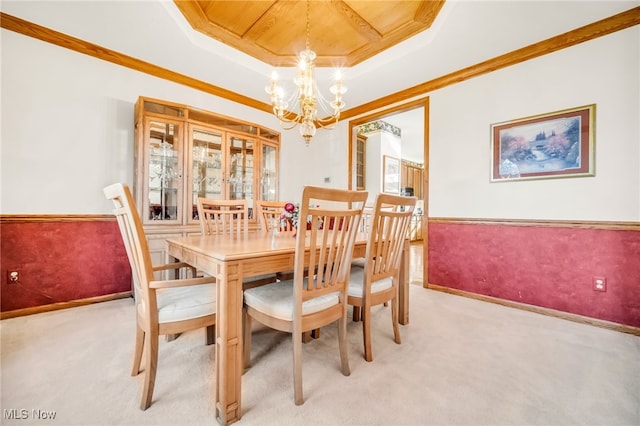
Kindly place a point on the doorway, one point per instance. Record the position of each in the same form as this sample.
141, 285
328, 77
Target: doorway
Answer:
401, 112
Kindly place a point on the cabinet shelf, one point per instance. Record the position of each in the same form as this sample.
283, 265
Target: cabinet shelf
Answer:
163, 188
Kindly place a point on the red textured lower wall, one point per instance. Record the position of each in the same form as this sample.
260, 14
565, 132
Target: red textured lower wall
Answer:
550, 267
61, 261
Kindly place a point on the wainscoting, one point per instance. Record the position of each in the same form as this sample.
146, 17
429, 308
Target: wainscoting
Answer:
549, 264
62, 261
68, 260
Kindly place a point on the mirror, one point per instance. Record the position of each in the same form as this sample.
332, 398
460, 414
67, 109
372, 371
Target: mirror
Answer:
412, 119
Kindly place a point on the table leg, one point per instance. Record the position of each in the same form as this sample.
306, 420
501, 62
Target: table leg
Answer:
228, 344
403, 296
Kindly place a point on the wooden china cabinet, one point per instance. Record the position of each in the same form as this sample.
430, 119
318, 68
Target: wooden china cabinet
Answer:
182, 153
411, 177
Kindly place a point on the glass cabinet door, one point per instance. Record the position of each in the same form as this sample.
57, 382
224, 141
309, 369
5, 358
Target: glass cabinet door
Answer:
206, 166
361, 162
240, 163
163, 186
269, 177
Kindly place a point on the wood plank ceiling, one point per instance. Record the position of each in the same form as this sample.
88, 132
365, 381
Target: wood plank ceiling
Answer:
343, 33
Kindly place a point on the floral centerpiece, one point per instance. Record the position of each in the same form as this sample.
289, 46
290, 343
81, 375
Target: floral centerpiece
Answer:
289, 216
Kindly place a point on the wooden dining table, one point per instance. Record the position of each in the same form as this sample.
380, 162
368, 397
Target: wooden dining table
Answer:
231, 260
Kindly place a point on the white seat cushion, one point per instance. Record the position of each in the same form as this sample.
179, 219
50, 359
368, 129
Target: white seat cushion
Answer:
359, 261
260, 277
256, 278
276, 300
356, 283
182, 303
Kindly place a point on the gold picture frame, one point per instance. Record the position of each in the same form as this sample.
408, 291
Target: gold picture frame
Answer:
553, 145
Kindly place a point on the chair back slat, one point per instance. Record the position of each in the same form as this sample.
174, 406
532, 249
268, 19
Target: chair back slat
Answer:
390, 225
223, 217
332, 231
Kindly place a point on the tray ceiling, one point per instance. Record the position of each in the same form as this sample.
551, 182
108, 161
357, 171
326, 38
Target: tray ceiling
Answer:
341, 32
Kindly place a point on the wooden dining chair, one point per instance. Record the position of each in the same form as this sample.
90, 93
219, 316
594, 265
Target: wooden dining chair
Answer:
269, 215
316, 296
378, 281
365, 226
223, 217
226, 219
163, 306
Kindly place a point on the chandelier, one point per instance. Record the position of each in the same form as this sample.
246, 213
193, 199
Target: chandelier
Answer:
306, 98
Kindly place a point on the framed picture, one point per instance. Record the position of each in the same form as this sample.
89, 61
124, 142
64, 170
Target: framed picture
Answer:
390, 175
552, 145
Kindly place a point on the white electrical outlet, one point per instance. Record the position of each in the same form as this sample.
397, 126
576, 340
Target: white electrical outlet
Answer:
599, 283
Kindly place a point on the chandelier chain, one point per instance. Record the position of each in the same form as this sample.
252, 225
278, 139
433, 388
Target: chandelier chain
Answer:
308, 26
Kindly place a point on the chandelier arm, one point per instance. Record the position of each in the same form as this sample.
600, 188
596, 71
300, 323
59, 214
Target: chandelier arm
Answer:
327, 124
289, 117
307, 99
325, 106
285, 126
328, 119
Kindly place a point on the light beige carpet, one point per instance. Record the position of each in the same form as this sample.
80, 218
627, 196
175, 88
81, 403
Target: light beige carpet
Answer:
461, 362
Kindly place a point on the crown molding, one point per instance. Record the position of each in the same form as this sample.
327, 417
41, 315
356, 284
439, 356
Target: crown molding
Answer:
585, 33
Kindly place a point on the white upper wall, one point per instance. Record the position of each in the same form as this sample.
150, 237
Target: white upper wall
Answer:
67, 125
464, 33
379, 144
604, 72
67, 131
